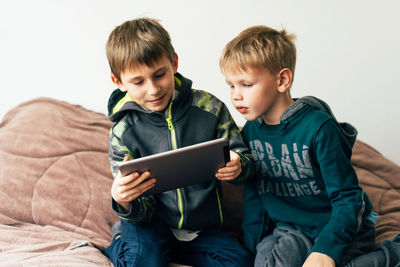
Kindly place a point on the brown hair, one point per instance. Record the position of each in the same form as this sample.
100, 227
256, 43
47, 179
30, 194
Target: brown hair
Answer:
135, 42
260, 46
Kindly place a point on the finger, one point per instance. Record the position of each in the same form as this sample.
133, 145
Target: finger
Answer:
227, 174
229, 169
119, 175
226, 178
135, 176
235, 161
126, 180
130, 193
138, 190
233, 154
121, 189
126, 158
143, 188
136, 180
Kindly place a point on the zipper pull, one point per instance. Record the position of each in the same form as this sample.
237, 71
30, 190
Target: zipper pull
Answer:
169, 120
170, 126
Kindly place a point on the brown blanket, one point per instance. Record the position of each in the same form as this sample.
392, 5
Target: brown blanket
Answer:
55, 186
380, 178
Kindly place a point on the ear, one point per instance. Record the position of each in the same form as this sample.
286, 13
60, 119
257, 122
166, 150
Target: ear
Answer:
175, 63
285, 77
117, 82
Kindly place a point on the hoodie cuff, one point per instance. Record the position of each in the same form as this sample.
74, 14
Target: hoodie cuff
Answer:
329, 247
133, 212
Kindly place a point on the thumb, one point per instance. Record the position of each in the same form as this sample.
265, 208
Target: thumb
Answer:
126, 158
235, 159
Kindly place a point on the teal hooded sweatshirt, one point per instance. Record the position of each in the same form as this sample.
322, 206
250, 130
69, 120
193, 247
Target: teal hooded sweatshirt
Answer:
304, 178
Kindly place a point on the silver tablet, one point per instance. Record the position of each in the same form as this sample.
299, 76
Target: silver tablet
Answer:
181, 167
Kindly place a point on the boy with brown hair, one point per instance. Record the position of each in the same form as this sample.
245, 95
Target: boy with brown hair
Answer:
304, 206
155, 109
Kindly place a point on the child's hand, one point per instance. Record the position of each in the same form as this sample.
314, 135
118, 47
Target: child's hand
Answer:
232, 169
127, 188
316, 259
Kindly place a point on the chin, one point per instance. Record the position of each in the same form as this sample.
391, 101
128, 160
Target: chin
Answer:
161, 107
250, 117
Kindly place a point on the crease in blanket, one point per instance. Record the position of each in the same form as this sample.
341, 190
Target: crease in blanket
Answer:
83, 244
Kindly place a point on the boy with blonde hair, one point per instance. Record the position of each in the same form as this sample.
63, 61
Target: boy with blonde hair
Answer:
155, 109
304, 206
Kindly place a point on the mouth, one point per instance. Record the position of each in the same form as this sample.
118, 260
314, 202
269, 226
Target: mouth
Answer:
242, 110
156, 101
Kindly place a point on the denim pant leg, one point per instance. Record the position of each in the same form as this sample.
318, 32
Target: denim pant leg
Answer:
213, 248
361, 244
285, 247
141, 245
387, 254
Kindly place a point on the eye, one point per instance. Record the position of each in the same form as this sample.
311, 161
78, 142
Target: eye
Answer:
138, 82
159, 75
247, 85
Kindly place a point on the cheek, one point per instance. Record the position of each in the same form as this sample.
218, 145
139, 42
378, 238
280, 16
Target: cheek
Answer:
168, 81
250, 96
257, 101
135, 93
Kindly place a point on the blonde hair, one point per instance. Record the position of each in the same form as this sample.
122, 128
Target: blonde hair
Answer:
136, 42
260, 46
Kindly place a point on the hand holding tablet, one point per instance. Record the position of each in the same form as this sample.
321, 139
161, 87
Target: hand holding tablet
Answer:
181, 167
127, 188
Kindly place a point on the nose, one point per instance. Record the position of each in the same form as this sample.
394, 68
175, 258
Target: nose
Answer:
153, 88
236, 94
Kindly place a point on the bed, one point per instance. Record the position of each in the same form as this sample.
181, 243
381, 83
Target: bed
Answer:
55, 184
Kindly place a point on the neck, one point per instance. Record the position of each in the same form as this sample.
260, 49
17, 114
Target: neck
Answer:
274, 114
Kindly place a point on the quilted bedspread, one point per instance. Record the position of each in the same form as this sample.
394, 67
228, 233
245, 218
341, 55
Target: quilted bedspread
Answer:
54, 185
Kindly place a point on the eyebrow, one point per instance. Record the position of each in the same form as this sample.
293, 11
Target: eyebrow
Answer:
239, 81
140, 77
228, 82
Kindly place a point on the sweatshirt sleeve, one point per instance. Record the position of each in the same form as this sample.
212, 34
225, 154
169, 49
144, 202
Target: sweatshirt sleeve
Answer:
228, 129
333, 154
142, 208
255, 220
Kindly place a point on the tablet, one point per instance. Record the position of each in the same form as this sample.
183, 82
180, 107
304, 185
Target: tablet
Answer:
181, 167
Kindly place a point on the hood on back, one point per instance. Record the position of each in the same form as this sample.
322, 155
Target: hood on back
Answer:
348, 130
118, 103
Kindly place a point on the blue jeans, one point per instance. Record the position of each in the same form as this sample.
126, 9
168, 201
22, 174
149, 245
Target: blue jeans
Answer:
287, 247
153, 244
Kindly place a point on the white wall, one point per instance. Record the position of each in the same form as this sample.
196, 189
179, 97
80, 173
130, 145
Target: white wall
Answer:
348, 52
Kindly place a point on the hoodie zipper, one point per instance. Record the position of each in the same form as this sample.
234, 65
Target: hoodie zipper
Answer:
171, 127
174, 146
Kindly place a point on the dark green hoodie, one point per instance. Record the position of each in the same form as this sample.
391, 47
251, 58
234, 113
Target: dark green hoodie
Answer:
193, 116
304, 178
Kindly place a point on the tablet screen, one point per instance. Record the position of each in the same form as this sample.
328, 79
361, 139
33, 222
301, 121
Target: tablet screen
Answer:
181, 167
